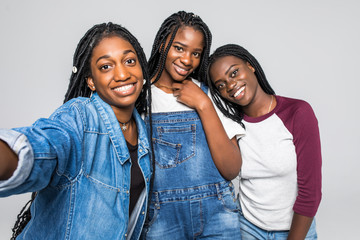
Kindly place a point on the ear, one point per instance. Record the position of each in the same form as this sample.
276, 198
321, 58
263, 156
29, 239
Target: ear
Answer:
251, 67
90, 83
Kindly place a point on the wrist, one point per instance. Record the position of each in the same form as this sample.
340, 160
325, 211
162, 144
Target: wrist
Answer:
204, 105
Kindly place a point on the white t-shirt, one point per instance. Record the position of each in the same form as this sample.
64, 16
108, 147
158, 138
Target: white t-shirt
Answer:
166, 102
281, 165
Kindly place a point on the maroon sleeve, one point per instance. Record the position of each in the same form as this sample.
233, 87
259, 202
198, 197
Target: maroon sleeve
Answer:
308, 151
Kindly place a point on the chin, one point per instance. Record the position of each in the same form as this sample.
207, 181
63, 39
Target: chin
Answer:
180, 78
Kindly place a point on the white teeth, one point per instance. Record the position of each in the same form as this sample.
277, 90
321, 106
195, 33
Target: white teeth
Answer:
239, 91
124, 88
181, 70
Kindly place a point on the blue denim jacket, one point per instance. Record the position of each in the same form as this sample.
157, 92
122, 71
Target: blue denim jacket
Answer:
80, 166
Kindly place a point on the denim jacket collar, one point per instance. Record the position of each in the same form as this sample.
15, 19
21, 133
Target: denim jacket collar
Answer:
113, 127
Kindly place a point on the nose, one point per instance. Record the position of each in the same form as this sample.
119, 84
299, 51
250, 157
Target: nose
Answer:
186, 59
121, 73
231, 84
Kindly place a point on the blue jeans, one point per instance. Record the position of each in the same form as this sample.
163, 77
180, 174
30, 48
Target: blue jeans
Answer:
251, 232
207, 212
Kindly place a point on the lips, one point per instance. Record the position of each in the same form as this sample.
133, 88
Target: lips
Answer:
239, 92
125, 89
181, 71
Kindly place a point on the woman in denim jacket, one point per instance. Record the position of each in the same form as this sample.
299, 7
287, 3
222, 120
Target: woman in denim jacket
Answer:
89, 162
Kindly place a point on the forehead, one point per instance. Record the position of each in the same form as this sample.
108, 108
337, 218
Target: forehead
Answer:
223, 64
112, 45
188, 34
227, 61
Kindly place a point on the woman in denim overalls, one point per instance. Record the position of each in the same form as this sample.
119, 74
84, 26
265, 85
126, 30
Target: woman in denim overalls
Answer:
191, 196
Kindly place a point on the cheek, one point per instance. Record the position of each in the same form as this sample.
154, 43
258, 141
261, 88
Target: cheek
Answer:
196, 62
140, 78
224, 94
171, 55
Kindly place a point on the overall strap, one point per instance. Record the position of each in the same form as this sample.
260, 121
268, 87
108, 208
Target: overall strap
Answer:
204, 87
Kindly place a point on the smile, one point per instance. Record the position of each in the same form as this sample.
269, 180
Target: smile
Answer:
124, 88
238, 92
181, 71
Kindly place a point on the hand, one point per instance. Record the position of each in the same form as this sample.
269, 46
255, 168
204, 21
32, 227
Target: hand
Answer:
8, 161
191, 95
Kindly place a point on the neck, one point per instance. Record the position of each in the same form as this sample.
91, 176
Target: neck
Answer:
261, 106
125, 125
165, 84
129, 131
123, 115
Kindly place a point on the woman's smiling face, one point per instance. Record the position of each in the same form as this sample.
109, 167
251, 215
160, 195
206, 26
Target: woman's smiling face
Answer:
116, 74
235, 79
184, 54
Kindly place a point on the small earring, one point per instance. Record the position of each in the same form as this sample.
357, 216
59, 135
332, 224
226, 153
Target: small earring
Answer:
144, 81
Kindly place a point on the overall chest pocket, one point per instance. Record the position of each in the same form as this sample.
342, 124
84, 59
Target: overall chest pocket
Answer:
174, 145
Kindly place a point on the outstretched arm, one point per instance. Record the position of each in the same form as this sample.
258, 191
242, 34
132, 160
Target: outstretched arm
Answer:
8, 161
225, 152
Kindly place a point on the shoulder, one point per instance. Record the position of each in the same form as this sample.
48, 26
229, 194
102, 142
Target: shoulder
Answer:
293, 105
74, 105
197, 82
296, 114
76, 111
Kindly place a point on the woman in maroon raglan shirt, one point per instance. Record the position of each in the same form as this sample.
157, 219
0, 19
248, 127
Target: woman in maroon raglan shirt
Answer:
280, 178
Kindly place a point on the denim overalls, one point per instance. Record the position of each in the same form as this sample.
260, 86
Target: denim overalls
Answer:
190, 198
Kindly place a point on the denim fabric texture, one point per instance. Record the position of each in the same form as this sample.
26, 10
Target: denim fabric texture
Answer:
81, 172
251, 232
190, 198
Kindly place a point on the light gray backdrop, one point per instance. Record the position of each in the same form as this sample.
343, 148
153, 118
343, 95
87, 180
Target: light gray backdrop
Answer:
308, 49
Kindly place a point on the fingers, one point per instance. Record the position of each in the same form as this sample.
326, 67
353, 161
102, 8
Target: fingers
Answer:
176, 93
177, 86
184, 90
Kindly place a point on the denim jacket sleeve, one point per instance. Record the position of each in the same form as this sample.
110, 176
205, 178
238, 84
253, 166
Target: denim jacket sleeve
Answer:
49, 151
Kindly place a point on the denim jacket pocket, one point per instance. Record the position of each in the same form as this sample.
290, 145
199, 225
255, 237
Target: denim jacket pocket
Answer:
174, 144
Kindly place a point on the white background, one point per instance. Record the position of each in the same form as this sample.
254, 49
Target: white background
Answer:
308, 49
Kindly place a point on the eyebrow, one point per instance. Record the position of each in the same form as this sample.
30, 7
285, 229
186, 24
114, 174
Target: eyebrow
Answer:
108, 56
226, 72
184, 45
229, 68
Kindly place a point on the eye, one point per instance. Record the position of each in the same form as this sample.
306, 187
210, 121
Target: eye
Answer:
220, 86
197, 54
178, 48
131, 61
104, 67
234, 73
